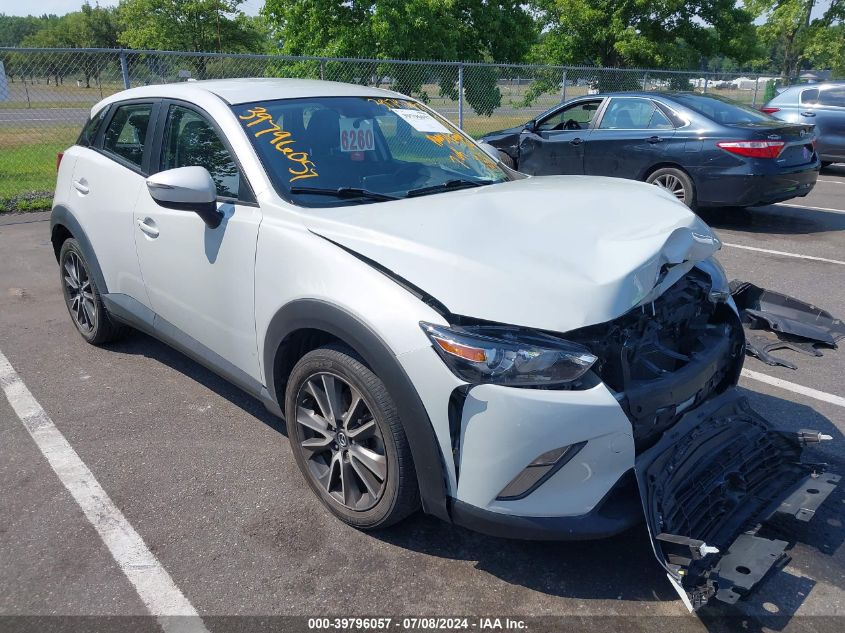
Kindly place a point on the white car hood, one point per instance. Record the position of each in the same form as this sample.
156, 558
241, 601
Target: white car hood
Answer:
554, 253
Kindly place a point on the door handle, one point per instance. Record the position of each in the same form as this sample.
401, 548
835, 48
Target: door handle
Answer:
808, 113
148, 227
655, 139
576, 141
81, 187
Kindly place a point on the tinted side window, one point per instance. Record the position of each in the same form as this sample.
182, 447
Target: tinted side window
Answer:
127, 132
189, 141
627, 114
660, 121
89, 132
810, 97
832, 97
575, 117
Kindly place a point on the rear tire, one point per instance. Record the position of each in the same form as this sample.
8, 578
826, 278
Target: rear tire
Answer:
82, 297
348, 441
676, 182
506, 160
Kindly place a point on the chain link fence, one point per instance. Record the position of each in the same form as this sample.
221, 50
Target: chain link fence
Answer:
46, 94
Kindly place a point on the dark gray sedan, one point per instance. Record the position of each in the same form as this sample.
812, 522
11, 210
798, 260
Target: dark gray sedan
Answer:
707, 150
822, 105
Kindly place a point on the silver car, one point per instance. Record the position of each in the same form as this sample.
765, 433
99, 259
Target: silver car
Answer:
819, 104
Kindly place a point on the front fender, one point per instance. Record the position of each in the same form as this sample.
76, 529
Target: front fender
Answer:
319, 315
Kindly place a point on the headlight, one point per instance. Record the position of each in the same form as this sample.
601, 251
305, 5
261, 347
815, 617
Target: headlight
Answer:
506, 356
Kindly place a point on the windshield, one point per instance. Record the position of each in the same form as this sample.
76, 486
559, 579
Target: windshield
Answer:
722, 110
325, 151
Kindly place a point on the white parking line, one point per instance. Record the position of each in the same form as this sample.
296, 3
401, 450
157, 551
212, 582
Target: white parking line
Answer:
784, 253
833, 182
154, 585
804, 206
794, 388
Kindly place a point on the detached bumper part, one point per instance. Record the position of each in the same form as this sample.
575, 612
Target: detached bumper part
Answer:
799, 325
709, 485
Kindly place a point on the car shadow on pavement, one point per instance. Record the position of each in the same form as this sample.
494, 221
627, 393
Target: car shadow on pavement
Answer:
837, 169
774, 220
141, 344
622, 567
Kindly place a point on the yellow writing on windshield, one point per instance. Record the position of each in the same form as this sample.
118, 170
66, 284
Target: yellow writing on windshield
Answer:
281, 140
460, 150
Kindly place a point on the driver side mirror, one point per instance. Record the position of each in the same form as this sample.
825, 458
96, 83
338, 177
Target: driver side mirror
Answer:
187, 189
491, 151
531, 126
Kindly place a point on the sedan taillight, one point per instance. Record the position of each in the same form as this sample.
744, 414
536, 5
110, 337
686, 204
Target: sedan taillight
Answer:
59, 160
753, 149
769, 110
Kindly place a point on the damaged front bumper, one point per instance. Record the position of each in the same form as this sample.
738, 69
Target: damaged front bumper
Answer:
709, 485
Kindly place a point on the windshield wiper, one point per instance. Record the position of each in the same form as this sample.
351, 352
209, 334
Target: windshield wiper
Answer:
349, 193
449, 185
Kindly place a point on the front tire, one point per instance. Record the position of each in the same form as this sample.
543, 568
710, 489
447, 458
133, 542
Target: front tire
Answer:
348, 441
82, 297
676, 182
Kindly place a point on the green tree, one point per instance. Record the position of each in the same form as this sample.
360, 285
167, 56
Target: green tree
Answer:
670, 34
643, 33
91, 27
467, 30
799, 34
189, 25
14, 29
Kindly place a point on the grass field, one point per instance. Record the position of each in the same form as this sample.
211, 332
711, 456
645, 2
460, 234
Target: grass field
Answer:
28, 165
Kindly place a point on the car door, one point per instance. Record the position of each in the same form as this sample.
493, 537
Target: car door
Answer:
828, 110
200, 281
555, 144
108, 177
630, 137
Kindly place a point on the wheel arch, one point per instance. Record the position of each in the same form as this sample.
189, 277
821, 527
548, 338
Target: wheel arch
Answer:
305, 324
664, 164
64, 225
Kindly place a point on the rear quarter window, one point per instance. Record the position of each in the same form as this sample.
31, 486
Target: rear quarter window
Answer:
126, 134
89, 132
810, 97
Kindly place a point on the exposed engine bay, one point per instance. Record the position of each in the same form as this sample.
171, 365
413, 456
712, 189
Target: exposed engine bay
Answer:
667, 357
711, 471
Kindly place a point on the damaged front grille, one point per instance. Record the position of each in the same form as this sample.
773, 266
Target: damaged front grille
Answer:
668, 356
710, 486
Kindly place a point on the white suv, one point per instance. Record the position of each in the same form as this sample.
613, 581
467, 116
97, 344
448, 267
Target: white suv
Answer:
529, 357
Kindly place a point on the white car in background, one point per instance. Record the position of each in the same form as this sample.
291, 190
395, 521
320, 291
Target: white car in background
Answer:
529, 357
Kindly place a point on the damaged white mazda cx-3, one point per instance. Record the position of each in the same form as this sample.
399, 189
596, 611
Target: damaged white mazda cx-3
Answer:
547, 357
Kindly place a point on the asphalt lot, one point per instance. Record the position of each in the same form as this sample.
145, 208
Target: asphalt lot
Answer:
205, 476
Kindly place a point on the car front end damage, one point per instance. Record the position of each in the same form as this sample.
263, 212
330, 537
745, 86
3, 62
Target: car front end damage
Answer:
560, 357
660, 403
